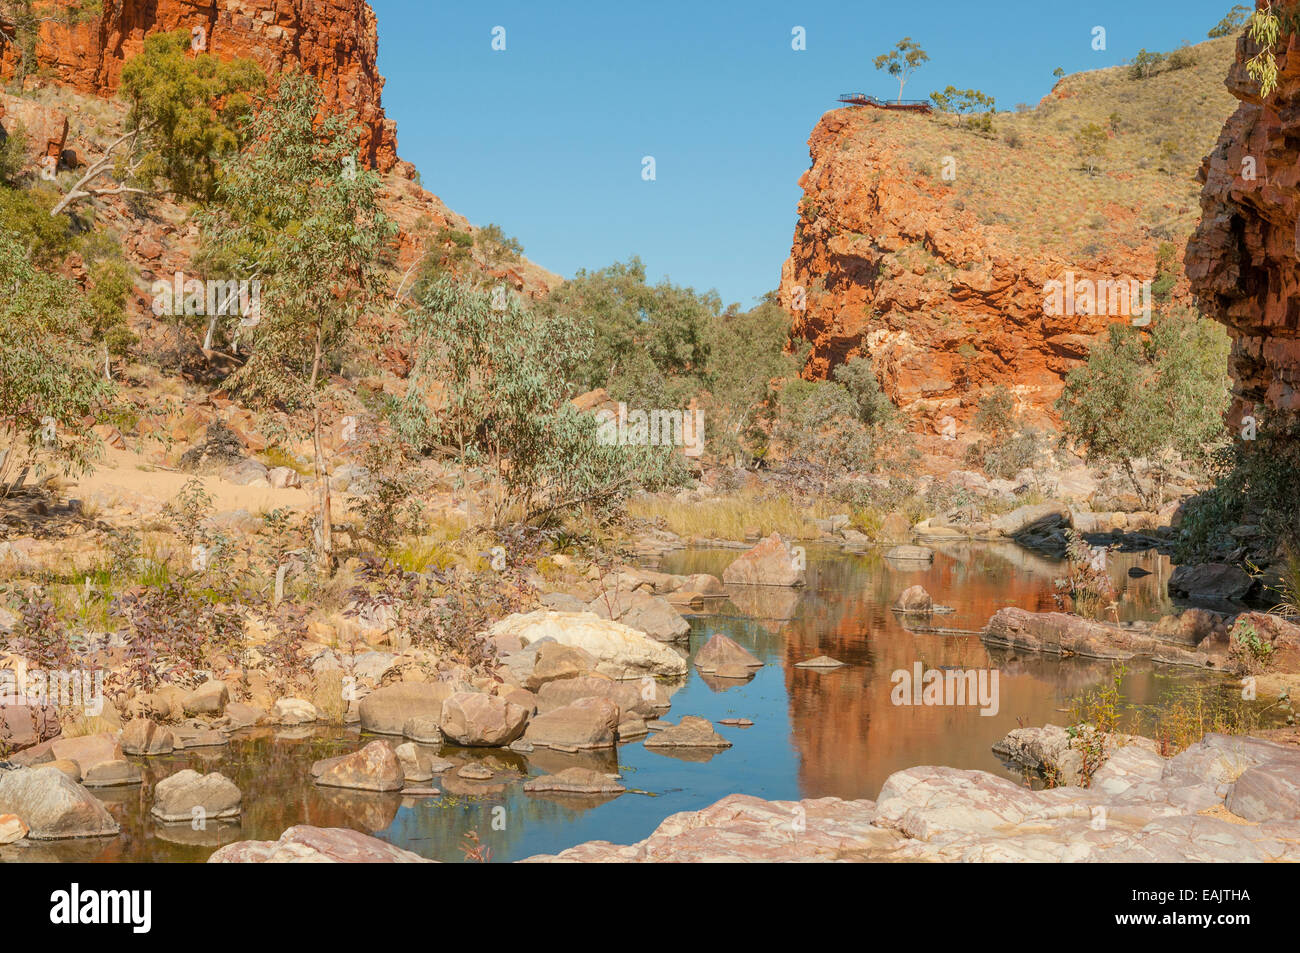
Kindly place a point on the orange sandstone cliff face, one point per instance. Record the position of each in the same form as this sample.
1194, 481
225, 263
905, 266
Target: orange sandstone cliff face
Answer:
888, 264
1244, 259
334, 40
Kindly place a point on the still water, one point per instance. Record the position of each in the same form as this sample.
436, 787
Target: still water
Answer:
815, 733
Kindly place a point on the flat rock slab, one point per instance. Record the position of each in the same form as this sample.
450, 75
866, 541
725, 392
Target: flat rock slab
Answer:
574, 781
690, 732
821, 661
303, 844
111, 774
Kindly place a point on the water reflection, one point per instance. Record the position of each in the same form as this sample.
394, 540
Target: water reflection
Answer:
815, 732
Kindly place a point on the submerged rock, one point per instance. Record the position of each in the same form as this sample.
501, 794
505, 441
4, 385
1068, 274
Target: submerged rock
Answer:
821, 661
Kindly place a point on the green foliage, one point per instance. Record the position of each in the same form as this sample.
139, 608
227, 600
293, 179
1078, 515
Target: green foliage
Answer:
902, 61
497, 248
828, 429
650, 344
295, 210
1231, 23
976, 107
48, 383
1146, 64
504, 372
188, 109
746, 355
1255, 482
1249, 653
13, 153
1090, 143
109, 286
1264, 29
448, 253
25, 214
1143, 395
1007, 445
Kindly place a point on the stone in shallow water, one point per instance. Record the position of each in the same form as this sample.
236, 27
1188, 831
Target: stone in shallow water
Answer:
187, 795
293, 711
481, 720
736, 722
581, 725
53, 806
374, 768
416, 764
473, 772
574, 781
109, 774
721, 651
821, 661
422, 729
315, 845
690, 732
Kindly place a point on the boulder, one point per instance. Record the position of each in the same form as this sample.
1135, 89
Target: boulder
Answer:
22, 726
210, 698
1267, 792
142, 736
720, 651
620, 651
1210, 582
293, 711
628, 696
188, 795
579, 726
386, 710
88, 750
656, 617
282, 478
374, 768
770, 563
914, 599
1282, 634
53, 806
1032, 519
556, 661
476, 719
417, 764
423, 730
302, 844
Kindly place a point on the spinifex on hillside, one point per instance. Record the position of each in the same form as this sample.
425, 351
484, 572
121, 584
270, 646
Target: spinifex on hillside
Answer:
334, 529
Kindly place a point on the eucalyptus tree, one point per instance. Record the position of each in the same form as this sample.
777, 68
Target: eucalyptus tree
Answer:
294, 208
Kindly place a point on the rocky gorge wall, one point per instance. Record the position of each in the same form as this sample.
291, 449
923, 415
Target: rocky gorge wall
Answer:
1244, 259
334, 40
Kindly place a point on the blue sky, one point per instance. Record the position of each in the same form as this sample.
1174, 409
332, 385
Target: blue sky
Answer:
546, 138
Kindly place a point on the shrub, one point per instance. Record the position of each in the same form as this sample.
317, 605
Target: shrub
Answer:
1146, 64
1143, 395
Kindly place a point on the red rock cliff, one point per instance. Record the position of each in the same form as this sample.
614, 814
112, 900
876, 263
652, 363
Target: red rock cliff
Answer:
334, 40
1244, 259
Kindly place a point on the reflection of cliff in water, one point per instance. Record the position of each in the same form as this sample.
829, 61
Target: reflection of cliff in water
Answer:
847, 731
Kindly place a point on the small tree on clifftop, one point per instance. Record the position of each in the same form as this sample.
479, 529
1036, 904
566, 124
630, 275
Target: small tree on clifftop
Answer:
902, 61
